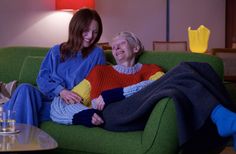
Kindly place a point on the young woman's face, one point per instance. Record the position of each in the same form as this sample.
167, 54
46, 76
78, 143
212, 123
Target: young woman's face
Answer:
123, 52
90, 34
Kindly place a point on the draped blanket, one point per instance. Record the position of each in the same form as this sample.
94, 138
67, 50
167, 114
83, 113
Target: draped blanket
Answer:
195, 88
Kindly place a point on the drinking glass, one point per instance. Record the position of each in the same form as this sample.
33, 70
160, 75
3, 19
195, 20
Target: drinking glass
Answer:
11, 120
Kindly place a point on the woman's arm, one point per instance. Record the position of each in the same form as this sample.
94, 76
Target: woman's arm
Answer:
48, 85
83, 89
117, 94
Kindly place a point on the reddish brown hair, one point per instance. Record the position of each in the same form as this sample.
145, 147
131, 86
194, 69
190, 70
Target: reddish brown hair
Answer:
78, 24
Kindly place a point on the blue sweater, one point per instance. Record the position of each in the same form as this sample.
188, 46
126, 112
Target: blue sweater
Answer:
54, 75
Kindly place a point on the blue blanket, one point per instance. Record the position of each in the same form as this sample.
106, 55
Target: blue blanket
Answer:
195, 88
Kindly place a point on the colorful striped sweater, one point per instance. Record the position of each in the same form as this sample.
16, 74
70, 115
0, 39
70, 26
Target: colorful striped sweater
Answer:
105, 78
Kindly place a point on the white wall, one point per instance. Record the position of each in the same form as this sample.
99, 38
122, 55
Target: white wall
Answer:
36, 23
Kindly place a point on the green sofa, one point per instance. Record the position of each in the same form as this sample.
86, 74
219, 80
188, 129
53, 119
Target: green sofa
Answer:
160, 133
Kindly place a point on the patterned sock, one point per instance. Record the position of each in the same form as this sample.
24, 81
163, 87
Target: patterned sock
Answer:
225, 121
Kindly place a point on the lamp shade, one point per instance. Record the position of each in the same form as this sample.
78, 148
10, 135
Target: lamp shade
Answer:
74, 4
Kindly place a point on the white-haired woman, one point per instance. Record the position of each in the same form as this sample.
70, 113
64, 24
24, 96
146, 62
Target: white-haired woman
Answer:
115, 97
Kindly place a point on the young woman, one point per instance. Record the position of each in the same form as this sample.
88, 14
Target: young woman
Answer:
64, 66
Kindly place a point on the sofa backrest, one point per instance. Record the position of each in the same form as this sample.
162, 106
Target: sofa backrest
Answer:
168, 60
23, 63
13, 58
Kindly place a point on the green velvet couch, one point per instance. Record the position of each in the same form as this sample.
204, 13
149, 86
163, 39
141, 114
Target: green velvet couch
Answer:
160, 133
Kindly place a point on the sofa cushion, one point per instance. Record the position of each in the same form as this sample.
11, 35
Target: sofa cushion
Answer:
93, 140
30, 69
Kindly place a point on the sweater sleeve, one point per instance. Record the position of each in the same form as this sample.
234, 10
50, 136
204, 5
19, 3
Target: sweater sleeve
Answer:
117, 94
130, 90
157, 75
83, 89
112, 95
45, 82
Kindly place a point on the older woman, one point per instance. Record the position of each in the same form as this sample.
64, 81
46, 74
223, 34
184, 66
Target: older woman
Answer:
121, 97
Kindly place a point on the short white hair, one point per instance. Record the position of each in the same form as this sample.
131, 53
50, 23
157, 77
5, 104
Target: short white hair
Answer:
132, 39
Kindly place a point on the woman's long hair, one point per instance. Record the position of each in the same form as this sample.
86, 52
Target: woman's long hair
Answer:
78, 24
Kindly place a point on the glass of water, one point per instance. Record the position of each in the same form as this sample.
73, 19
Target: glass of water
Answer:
11, 121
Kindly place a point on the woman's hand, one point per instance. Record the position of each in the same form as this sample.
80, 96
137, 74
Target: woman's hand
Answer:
70, 97
99, 102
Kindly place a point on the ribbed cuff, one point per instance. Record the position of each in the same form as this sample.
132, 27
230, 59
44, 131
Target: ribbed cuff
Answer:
85, 117
113, 95
58, 89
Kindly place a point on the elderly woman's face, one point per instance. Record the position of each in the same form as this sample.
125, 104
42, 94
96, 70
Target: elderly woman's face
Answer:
122, 51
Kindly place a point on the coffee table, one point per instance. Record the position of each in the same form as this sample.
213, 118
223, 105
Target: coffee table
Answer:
28, 138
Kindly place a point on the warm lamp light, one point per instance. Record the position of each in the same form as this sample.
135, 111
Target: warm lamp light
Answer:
74, 4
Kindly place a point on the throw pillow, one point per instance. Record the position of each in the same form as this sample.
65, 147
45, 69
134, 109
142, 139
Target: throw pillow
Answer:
30, 69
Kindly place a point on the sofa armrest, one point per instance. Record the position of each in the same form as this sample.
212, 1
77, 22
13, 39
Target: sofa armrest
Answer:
228, 56
160, 133
231, 88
